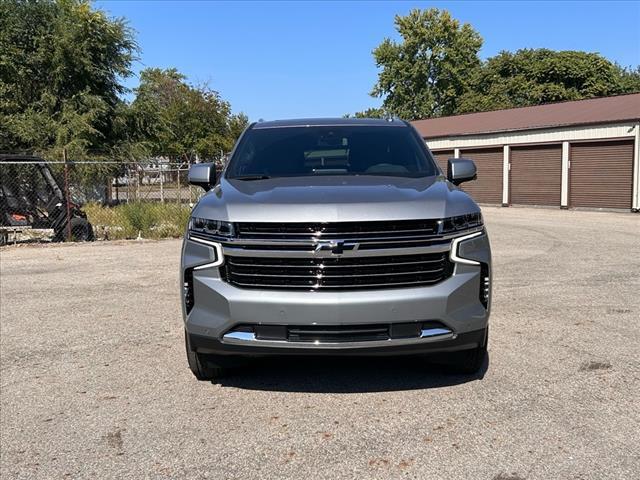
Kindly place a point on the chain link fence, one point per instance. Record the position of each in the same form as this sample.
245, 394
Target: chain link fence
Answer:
44, 201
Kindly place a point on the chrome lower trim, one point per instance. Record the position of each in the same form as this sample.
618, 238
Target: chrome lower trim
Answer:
239, 338
434, 332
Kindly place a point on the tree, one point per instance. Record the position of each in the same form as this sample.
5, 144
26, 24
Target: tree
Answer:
538, 76
181, 120
369, 113
435, 70
61, 66
237, 125
629, 79
425, 74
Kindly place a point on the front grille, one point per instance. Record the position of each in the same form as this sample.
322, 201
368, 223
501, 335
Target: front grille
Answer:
338, 333
338, 230
336, 273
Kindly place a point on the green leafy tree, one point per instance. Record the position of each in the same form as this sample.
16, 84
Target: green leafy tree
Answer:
538, 76
426, 73
237, 124
179, 120
629, 79
369, 113
61, 66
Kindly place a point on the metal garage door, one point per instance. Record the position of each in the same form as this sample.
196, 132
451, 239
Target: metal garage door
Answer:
536, 175
601, 174
488, 187
441, 157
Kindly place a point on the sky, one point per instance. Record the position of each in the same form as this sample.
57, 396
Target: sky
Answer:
275, 60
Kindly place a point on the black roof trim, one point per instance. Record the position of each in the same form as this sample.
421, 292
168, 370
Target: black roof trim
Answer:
18, 157
331, 122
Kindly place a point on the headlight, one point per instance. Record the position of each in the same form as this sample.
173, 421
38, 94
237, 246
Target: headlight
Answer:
217, 228
461, 223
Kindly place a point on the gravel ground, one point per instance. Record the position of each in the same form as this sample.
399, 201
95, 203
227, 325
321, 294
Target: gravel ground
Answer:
95, 382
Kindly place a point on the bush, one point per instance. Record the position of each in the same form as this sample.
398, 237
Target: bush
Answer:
147, 219
141, 217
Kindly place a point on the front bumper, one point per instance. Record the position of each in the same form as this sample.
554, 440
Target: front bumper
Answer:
219, 307
450, 343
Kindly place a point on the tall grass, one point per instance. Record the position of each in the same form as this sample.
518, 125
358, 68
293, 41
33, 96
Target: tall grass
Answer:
147, 219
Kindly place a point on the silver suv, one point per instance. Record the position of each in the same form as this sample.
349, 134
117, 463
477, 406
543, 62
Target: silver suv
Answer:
334, 236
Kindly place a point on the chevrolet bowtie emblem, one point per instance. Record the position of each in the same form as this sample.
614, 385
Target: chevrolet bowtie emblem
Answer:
336, 247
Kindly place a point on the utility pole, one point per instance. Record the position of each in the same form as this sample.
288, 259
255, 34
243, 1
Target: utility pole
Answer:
66, 193
161, 172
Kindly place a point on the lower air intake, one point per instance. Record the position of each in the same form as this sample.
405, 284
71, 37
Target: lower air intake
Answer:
330, 334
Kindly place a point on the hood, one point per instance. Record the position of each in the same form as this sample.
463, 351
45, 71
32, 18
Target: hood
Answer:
334, 199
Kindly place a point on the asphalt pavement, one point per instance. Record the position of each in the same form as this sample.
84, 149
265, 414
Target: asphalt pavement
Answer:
94, 382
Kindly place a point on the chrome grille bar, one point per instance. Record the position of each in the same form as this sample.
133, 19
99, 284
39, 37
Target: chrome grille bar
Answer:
339, 229
234, 261
233, 251
324, 275
311, 241
336, 287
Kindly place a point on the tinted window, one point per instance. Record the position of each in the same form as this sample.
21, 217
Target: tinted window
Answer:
330, 150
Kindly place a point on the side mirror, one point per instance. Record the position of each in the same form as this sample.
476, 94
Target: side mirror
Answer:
461, 170
203, 175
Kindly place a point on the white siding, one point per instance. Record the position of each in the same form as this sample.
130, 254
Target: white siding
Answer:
636, 170
506, 166
564, 199
534, 136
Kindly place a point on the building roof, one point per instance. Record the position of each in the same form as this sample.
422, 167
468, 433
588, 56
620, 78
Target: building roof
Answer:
306, 122
581, 112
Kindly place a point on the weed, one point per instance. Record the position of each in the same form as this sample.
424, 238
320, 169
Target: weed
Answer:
150, 220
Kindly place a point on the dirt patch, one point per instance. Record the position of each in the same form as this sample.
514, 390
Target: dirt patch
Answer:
114, 439
619, 311
593, 365
508, 476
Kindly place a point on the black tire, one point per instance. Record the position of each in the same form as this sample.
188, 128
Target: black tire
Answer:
81, 230
471, 361
203, 366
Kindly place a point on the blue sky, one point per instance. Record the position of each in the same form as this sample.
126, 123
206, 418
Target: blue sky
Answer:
312, 59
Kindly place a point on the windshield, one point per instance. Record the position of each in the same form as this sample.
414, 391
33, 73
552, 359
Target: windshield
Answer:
330, 150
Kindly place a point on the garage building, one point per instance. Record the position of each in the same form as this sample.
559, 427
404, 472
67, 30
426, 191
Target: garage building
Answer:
579, 154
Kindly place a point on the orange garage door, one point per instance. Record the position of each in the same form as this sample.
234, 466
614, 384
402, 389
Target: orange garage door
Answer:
535, 177
601, 174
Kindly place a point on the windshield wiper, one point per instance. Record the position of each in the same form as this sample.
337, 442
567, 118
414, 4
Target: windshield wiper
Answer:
251, 177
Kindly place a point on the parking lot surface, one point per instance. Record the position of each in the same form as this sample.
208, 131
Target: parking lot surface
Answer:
94, 381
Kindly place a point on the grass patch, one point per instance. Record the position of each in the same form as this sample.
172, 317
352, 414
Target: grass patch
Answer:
148, 219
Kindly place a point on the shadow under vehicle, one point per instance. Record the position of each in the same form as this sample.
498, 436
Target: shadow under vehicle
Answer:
31, 198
